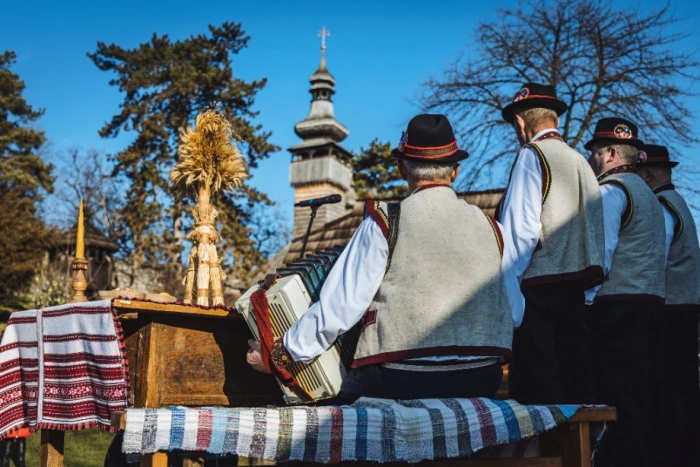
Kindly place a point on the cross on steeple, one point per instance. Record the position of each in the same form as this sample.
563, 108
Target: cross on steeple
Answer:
323, 33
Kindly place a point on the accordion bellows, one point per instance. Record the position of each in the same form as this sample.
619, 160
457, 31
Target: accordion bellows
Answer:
297, 287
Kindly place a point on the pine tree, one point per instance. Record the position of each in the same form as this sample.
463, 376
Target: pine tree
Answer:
375, 173
24, 178
166, 84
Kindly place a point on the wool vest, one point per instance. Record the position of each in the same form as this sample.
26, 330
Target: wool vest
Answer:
683, 265
443, 291
571, 245
637, 266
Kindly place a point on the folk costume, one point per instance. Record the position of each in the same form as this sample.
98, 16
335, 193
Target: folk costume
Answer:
552, 213
432, 281
681, 416
626, 310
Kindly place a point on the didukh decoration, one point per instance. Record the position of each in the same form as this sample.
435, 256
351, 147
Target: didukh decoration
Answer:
209, 161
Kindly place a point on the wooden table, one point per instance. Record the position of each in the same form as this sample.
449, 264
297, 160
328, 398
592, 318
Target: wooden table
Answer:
190, 356
182, 355
568, 445
185, 355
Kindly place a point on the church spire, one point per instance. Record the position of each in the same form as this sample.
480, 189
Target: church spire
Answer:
321, 120
320, 165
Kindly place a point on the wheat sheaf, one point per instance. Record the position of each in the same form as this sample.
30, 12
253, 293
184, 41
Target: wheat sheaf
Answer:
209, 157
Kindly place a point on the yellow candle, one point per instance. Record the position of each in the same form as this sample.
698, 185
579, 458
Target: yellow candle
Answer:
80, 244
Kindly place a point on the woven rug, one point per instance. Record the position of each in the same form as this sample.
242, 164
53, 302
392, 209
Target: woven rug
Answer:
375, 430
62, 368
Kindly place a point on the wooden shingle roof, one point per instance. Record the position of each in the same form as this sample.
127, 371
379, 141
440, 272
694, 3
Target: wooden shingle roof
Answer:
339, 231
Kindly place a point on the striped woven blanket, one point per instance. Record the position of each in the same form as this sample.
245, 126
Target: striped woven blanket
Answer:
375, 430
62, 368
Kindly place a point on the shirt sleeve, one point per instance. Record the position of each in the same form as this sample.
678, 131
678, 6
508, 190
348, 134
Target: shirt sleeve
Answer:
522, 209
614, 204
670, 223
345, 296
511, 283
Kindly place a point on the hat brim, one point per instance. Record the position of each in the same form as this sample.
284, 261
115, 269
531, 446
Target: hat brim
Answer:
637, 143
659, 163
509, 111
460, 155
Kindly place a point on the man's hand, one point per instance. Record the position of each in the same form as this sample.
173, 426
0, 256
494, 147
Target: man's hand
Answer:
254, 357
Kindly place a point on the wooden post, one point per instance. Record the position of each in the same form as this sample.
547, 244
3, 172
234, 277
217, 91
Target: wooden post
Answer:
52, 441
576, 445
79, 283
51, 454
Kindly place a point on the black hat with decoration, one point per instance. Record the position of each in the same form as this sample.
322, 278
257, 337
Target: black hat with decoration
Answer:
533, 95
654, 155
615, 130
429, 138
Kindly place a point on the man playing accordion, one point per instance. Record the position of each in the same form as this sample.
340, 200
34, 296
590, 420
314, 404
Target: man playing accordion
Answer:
431, 280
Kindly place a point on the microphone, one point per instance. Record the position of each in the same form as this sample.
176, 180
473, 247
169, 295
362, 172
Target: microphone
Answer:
315, 202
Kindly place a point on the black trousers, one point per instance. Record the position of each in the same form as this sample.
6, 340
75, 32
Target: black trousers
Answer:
627, 349
388, 383
681, 422
13, 448
551, 348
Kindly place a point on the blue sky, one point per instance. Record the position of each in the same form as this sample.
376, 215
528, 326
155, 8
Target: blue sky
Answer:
379, 52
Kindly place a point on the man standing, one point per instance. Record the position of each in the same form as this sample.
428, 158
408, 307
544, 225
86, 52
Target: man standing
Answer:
681, 398
625, 315
552, 213
433, 287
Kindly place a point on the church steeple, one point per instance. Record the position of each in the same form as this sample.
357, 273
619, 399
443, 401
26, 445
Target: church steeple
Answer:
321, 120
320, 165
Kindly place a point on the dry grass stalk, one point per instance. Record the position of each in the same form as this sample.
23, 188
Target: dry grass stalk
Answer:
209, 161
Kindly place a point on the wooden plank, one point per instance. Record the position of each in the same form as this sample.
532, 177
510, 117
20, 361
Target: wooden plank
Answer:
595, 414
118, 420
131, 306
576, 445
194, 400
146, 390
193, 459
202, 362
51, 453
519, 462
158, 459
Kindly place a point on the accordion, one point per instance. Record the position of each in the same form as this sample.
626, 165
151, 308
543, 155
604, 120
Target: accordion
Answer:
297, 286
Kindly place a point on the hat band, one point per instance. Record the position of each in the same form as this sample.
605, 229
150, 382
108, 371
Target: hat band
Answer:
431, 152
658, 159
531, 96
611, 135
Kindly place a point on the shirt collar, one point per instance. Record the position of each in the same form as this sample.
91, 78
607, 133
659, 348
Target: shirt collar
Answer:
664, 187
431, 185
548, 130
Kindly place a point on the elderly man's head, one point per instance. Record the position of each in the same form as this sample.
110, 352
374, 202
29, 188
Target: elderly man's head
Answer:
656, 166
418, 173
535, 107
604, 156
615, 141
531, 121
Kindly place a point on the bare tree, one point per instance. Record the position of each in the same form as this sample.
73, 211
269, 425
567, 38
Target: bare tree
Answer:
86, 175
604, 58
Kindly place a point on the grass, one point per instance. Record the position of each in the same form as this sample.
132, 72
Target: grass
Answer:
86, 448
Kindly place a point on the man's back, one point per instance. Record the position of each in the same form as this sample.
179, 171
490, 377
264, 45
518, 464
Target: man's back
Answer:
444, 286
572, 219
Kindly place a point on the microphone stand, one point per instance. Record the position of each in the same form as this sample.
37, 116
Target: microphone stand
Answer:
308, 229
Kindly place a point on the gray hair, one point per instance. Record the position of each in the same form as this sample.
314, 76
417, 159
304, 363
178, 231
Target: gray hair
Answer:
426, 171
539, 117
628, 154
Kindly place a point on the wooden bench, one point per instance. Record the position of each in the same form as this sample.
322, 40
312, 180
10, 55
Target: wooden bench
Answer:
568, 445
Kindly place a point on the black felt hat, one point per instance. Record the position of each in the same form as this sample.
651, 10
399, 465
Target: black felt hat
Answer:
653, 154
616, 131
429, 138
533, 95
